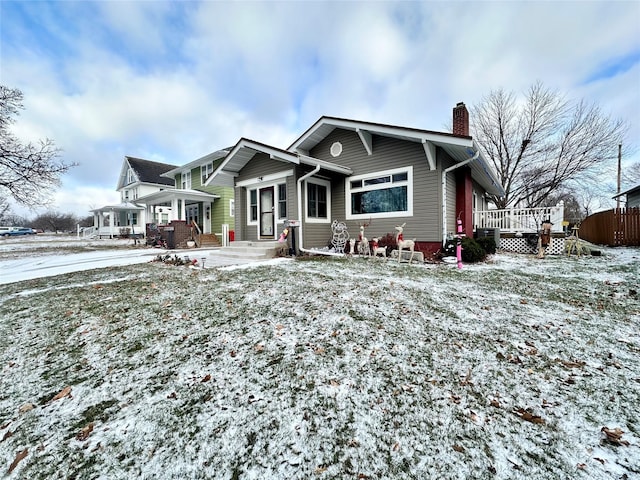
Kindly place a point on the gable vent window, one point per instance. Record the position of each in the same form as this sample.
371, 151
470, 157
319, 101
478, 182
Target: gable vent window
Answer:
336, 149
383, 194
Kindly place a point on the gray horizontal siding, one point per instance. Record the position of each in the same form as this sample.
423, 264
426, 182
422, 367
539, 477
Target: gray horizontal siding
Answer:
388, 153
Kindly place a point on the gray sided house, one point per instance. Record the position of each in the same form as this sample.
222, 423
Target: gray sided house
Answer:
632, 196
359, 173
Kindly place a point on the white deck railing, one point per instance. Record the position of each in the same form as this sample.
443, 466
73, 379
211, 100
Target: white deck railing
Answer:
520, 219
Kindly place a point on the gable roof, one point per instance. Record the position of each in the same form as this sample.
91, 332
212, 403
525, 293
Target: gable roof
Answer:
246, 149
459, 147
149, 171
631, 190
208, 158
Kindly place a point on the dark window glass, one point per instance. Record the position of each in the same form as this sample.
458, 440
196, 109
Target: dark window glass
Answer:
253, 203
282, 200
380, 201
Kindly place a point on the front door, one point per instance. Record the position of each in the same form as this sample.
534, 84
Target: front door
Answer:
266, 213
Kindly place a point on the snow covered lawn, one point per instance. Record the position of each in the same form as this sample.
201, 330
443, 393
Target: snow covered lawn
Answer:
329, 369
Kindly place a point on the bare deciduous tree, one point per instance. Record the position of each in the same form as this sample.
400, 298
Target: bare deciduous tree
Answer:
28, 172
543, 143
631, 175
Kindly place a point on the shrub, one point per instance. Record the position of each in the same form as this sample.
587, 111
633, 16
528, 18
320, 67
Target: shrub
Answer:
488, 244
472, 251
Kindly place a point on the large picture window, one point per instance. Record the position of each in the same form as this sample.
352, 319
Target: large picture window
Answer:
381, 194
318, 201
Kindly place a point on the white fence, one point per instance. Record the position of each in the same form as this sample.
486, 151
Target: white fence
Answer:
520, 219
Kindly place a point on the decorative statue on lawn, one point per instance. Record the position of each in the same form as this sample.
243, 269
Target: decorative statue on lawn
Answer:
363, 245
402, 243
377, 249
340, 236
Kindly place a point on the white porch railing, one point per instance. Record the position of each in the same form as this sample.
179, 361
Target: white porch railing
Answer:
109, 231
520, 219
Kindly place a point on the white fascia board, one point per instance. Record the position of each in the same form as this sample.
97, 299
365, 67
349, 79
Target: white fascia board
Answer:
123, 174
430, 151
365, 138
265, 178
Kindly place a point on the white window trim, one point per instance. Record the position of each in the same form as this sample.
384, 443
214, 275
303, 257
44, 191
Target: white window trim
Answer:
186, 180
324, 183
266, 180
272, 180
205, 172
360, 216
232, 208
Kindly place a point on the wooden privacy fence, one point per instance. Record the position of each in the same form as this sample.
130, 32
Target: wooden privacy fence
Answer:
617, 227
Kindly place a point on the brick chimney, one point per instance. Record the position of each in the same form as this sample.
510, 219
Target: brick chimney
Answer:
460, 120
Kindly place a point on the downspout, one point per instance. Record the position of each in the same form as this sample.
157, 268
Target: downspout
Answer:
300, 247
444, 191
300, 180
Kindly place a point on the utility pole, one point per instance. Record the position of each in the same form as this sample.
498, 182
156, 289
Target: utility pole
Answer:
619, 174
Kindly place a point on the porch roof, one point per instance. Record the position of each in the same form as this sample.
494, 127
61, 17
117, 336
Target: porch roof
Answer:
246, 149
120, 207
170, 194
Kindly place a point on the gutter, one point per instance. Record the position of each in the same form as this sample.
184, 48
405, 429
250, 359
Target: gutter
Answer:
444, 190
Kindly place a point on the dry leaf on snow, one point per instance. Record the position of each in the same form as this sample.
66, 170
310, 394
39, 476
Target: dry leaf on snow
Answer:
20, 456
528, 416
65, 392
614, 436
85, 432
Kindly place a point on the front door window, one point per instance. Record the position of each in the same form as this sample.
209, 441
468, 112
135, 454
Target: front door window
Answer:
266, 212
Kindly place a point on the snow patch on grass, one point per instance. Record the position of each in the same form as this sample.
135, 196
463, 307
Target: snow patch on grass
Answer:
327, 368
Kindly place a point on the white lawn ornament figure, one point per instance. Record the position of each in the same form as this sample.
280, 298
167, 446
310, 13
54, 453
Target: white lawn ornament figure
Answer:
402, 243
352, 246
378, 250
340, 236
363, 246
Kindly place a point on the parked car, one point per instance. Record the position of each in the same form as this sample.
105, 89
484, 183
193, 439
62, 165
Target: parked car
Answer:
15, 231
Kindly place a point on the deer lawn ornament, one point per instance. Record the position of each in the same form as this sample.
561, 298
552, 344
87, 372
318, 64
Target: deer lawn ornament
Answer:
363, 246
402, 243
352, 246
378, 250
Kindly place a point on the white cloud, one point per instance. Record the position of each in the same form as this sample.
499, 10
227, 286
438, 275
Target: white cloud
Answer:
172, 82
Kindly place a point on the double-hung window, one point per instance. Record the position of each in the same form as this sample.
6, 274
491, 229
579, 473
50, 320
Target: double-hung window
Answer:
186, 180
206, 171
253, 205
282, 200
318, 201
384, 194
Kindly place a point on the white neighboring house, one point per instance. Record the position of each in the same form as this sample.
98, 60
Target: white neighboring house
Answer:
138, 178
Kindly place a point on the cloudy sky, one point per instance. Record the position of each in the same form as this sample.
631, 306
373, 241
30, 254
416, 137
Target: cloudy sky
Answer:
172, 81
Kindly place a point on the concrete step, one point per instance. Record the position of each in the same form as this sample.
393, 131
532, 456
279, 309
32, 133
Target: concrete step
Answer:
248, 251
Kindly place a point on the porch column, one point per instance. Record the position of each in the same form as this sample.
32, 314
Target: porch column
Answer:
183, 210
174, 209
464, 200
208, 216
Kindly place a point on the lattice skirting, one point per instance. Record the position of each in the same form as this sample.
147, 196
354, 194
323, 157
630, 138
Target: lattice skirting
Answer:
520, 245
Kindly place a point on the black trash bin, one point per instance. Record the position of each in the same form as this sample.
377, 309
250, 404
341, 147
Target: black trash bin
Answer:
169, 236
